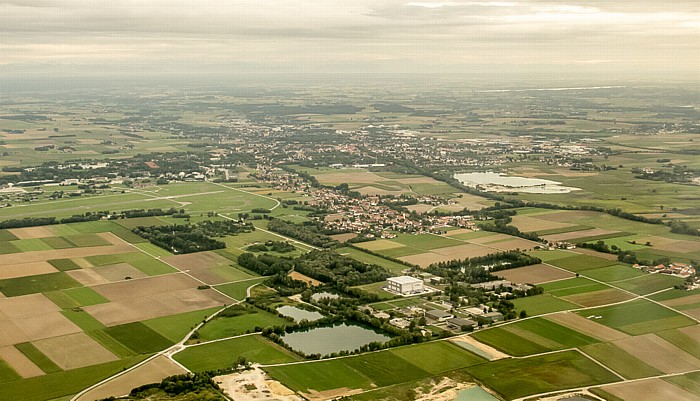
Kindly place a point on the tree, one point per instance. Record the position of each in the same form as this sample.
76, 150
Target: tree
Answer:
523, 314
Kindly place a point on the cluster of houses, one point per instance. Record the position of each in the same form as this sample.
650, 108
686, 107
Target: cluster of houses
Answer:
674, 269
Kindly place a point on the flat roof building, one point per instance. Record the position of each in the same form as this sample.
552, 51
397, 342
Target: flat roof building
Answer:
404, 285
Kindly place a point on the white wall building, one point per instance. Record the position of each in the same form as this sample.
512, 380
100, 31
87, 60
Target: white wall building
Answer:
404, 285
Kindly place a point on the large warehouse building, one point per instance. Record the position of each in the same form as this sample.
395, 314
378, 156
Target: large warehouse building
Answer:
404, 285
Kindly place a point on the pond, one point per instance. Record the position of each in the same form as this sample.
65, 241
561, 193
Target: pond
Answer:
320, 295
475, 394
299, 314
326, 340
498, 182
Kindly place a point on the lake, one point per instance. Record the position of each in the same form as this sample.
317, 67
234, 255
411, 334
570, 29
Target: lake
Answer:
326, 340
499, 182
475, 394
299, 314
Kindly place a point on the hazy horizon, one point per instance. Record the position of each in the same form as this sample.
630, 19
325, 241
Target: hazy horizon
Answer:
575, 41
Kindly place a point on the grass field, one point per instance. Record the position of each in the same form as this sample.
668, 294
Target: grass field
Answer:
514, 378
319, 376
145, 263
39, 283
580, 263
620, 361
138, 337
238, 290
224, 354
223, 327
386, 368
175, 327
63, 264
83, 320
614, 273
544, 303
508, 342
62, 384
649, 283
7, 373
578, 285
437, 357
637, 317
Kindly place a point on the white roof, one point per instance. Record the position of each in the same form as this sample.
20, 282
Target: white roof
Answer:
405, 280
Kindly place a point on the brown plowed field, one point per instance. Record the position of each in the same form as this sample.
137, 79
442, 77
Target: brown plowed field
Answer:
529, 224
586, 326
591, 252
513, 244
87, 277
31, 232
119, 272
74, 351
158, 305
20, 363
659, 353
152, 371
31, 317
649, 390
26, 269
380, 245
534, 274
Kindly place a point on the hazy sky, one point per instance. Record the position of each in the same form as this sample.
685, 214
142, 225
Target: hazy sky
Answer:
657, 38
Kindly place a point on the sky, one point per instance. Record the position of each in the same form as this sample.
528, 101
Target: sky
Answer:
647, 39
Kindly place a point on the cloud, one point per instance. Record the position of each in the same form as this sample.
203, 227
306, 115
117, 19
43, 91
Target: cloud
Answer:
312, 35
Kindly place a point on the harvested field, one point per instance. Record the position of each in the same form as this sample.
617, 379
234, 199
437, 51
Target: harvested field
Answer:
459, 231
152, 371
353, 177
370, 190
513, 244
306, 279
693, 299
659, 353
87, 277
479, 348
74, 351
649, 390
19, 362
490, 238
530, 224
31, 317
447, 254
202, 265
159, 305
420, 208
594, 232
567, 216
534, 274
118, 272
586, 326
146, 287
343, 237
679, 246
380, 245
597, 298
31, 232
26, 269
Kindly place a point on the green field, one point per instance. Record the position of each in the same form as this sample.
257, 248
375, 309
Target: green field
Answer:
31, 245
238, 290
638, 317
578, 285
224, 354
142, 261
650, 283
564, 336
63, 264
138, 337
85, 296
508, 342
83, 320
540, 304
7, 373
223, 327
62, 384
614, 273
38, 357
581, 262
13, 287
58, 243
620, 361
385, 368
437, 357
175, 327
319, 376
515, 378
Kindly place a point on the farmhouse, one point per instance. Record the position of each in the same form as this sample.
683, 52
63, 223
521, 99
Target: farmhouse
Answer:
404, 285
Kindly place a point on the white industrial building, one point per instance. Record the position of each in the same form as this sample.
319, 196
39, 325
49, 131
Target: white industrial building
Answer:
405, 285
